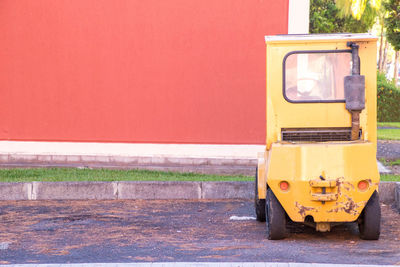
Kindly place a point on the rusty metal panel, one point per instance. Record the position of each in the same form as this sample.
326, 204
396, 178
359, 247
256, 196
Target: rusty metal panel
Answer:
324, 197
319, 183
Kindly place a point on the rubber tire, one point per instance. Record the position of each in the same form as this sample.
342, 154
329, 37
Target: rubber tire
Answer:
259, 204
370, 223
275, 217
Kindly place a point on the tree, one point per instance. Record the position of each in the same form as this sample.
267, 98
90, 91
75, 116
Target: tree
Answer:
327, 17
392, 23
357, 8
384, 58
383, 41
380, 58
324, 17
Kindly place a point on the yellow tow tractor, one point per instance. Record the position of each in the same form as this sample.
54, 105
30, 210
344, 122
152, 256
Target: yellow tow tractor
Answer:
319, 167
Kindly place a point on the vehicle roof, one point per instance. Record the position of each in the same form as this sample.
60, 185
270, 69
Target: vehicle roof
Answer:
319, 37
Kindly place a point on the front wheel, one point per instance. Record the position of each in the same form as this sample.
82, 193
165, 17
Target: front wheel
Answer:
370, 219
275, 217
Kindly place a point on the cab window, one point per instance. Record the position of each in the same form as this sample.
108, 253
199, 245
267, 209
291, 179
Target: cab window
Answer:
315, 76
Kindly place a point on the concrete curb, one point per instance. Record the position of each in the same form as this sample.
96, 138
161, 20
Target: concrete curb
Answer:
389, 191
126, 190
73, 190
159, 190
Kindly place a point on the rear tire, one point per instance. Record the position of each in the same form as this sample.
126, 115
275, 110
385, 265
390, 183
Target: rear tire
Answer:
259, 204
275, 217
370, 219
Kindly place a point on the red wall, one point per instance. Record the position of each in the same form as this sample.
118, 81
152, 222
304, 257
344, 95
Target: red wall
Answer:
160, 71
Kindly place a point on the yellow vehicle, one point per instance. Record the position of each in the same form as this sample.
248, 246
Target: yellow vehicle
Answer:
319, 167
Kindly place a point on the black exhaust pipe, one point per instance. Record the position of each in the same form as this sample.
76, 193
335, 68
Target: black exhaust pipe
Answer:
354, 92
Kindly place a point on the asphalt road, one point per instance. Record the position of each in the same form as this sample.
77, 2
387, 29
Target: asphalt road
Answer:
154, 230
388, 149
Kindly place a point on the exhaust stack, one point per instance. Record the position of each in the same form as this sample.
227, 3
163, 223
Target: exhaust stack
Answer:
354, 92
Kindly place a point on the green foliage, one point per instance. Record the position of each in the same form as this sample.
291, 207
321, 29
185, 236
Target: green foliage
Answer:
392, 23
356, 8
365, 23
325, 17
388, 100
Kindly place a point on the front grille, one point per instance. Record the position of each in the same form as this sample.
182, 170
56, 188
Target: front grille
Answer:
316, 134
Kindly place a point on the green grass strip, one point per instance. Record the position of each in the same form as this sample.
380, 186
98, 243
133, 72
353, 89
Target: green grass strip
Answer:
394, 162
389, 134
389, 124
74, 174
390, 178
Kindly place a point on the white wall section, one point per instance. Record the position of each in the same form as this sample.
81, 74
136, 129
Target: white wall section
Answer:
299, 16
131, 150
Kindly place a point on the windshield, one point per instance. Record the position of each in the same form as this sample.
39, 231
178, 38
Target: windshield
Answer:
316, 76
